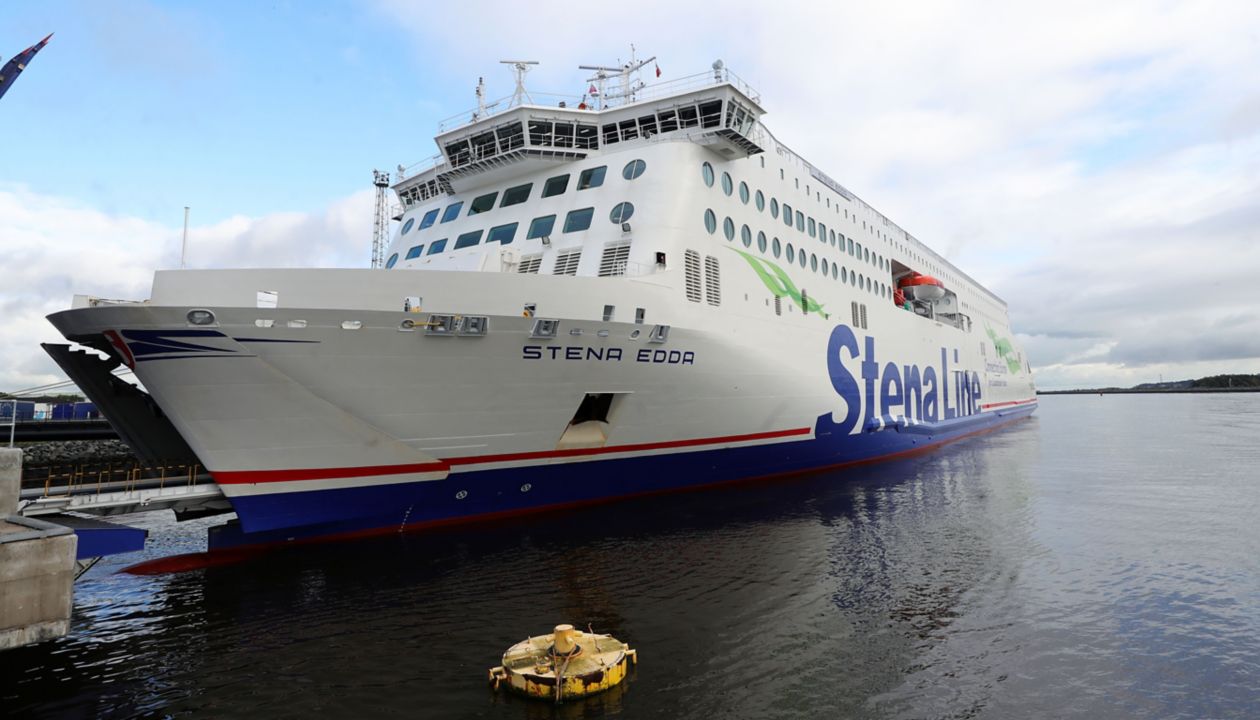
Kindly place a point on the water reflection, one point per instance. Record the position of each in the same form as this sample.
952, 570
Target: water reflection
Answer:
979, 580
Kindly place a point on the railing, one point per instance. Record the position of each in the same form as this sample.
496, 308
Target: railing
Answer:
648, 92
87, 478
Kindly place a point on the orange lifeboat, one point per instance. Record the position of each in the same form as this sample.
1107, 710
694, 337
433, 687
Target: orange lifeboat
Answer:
921, 287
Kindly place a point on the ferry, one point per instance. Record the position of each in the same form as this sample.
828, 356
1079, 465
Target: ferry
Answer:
634, 291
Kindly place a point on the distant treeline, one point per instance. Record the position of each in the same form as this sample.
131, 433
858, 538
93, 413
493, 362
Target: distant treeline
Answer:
1211, 383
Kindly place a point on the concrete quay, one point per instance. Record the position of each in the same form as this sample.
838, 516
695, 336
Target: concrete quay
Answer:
37, 567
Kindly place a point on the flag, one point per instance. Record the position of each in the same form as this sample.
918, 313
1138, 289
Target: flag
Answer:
14, 67
658, 71
593, 92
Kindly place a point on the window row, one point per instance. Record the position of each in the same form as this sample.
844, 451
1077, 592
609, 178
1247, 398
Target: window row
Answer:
558, 185
539, 227
776, 248
793, 218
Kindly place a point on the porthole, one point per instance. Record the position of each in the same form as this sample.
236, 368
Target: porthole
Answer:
761, 201
834, 272
761, 241
621, 212
774, 208
813, 262
787, 214
844, 275
824, 266
743, 192
407, 225
728, 228
633, 169
710, 221
728, 185
745, 234
706, 170
791, 253
392, 260
803, 259
776, 247
833, 238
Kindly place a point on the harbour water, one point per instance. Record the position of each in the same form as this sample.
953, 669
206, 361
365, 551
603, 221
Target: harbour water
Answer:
1098, 560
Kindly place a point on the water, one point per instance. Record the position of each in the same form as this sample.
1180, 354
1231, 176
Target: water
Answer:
1098, 560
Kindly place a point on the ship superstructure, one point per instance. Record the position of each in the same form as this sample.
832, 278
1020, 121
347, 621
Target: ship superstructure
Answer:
635, 291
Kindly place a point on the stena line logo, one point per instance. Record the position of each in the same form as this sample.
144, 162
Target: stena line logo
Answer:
874, 392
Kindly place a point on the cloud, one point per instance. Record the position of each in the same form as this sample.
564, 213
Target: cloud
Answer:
56, 247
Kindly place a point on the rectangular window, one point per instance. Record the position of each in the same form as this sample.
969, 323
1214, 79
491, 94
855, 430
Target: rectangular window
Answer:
414, 252
468, 239
587, 137
516, 195
609, 311
429, 218
813, 228
437, 246
578, 220
483, 203
541, 227
669, 121
452, 211
556, 185
800, 221
502, 234
592, 178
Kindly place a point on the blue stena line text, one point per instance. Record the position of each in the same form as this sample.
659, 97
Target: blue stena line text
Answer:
918, 394
612, 354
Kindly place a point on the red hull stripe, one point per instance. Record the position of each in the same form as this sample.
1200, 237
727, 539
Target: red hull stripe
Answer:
262, 476
1007, 404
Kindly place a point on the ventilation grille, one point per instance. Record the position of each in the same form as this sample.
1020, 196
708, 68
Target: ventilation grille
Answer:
712, 281
567, 263
530, 264
613, 261
857, 319
691, 267
863, 316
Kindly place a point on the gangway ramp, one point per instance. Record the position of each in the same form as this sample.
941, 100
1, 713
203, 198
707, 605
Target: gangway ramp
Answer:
130, 488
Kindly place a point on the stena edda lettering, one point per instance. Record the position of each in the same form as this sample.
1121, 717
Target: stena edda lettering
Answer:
871, 389
657, 356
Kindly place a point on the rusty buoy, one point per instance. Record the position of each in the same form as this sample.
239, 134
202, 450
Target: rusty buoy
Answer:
563, 664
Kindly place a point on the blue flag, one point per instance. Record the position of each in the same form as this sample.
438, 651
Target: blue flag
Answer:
14, 67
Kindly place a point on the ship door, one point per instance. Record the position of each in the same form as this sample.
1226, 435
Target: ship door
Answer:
592, 421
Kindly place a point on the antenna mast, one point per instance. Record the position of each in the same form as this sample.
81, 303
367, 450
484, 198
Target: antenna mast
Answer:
629, 82
380, 223
520, 67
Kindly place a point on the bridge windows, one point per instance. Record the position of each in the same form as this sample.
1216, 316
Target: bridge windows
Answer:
437, 246
393, 259
406, 228
414, 252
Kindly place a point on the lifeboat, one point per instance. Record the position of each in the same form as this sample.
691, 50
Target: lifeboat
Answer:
921, 287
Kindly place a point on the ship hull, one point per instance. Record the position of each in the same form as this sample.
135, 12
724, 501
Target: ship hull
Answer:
318, 421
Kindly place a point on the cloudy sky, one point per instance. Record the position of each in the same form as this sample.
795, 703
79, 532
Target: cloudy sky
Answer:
1095, 164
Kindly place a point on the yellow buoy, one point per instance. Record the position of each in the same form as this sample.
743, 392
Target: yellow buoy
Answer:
564, 664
